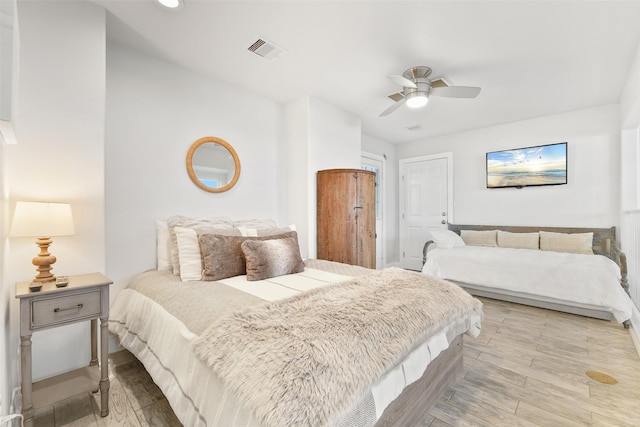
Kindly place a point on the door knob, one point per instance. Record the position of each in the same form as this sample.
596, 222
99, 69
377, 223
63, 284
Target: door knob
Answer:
444, 214
443, 222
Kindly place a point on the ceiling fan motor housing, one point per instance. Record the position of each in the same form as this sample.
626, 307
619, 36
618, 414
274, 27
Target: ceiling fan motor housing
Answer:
419, 76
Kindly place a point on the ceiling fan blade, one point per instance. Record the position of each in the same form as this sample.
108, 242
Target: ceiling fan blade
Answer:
456, 91
403, 81
393, 108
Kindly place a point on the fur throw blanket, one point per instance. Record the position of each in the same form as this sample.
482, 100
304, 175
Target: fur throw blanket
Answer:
307, 359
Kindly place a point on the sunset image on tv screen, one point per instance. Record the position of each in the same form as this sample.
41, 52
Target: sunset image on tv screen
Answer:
541, 165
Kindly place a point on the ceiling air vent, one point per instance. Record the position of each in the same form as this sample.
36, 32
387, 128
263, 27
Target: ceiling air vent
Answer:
414, 128
266, 49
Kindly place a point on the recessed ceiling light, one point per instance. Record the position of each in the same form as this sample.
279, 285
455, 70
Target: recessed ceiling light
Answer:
171, 4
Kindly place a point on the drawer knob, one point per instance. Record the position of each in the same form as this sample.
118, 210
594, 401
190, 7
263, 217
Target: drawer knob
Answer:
75, 307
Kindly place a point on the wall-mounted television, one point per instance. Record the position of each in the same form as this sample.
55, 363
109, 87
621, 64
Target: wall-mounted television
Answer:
528, 166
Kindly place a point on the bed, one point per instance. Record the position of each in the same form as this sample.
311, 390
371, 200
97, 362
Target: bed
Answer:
330, 344
590, 283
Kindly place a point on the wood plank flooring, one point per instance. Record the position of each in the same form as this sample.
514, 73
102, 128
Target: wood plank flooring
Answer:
527, 368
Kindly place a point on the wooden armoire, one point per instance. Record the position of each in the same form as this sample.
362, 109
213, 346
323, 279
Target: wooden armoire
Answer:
346, 216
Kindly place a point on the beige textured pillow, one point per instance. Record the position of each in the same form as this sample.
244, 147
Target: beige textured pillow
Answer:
189, 249
479, 238
222, 256
271, 258
518, 240
575, 243
200, 224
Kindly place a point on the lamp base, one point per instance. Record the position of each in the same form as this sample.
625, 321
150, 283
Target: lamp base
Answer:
43, 261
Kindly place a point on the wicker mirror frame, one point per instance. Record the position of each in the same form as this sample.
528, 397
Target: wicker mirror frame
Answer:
194, 177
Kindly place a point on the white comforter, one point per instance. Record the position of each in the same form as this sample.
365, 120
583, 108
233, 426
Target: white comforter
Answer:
572, 278
197, 396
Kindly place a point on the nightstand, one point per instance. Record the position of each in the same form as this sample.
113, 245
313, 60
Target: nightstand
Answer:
86, 297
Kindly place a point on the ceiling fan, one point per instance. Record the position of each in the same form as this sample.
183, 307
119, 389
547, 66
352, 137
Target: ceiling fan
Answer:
417, 87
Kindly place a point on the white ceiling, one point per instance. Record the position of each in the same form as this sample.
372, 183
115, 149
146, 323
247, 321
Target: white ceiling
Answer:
531, 58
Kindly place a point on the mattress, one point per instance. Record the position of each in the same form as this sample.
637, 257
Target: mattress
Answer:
591, 281
158, 318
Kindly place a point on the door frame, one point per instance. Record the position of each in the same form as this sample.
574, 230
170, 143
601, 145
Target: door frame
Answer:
383, 195
448, 156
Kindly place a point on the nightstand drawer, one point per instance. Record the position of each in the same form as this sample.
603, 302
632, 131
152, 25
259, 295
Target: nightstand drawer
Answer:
68, 308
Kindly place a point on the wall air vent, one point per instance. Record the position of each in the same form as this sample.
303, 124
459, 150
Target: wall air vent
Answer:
266, 49
414, 128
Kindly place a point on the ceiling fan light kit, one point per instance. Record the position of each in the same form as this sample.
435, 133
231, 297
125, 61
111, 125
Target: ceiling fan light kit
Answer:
416, 99
417, 87
171, 4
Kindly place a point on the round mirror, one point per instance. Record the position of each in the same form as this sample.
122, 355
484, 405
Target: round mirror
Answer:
213, 164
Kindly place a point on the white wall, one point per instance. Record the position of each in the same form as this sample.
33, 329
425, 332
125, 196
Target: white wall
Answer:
388, 152
590, 199
296, 175
318, 136
6, 347
155, 111
6, 63
58, 115
334, 143
630, 185
630, 100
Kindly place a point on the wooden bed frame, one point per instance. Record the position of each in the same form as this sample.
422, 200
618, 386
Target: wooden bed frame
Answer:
604, 243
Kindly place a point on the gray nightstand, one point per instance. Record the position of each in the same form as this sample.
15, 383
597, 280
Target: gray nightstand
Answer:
86, 297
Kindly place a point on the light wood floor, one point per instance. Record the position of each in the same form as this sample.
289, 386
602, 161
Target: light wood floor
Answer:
527, 368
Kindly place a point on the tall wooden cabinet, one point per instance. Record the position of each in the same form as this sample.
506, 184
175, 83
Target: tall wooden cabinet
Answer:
346, 216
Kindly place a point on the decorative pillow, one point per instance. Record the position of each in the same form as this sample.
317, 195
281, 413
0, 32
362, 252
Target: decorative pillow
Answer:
479, 237
271, 258
189, 252
255, 232
575, 243
518, 240
163, 250
186, 222
255, 223
445, 238
222, 255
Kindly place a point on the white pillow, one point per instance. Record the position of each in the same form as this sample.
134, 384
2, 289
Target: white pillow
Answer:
255, 223
445, 238
479, 237
189, 254
188, 222
255, 232
163, 247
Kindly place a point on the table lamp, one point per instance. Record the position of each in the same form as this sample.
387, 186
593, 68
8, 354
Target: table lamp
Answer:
42, 220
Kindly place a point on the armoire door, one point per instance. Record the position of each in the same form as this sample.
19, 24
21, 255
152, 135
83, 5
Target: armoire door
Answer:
346, 216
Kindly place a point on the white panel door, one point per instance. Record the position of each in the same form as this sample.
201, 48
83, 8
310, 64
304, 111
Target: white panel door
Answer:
424, 197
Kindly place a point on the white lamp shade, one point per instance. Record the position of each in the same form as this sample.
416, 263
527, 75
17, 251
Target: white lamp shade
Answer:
41, 219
